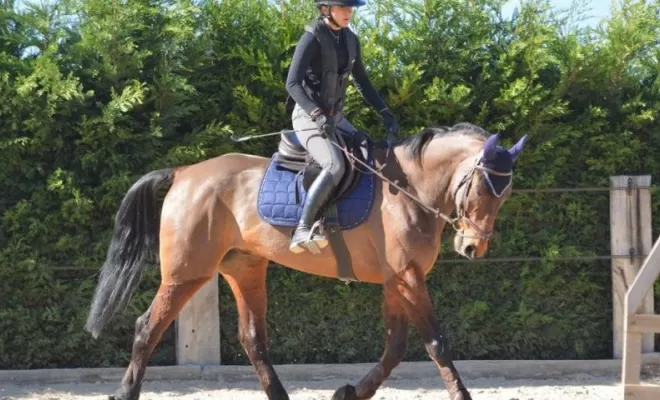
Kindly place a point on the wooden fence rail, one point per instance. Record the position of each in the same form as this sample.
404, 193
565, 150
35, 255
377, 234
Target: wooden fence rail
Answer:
197, 328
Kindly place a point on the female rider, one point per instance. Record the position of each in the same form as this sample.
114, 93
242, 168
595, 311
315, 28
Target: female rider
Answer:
326, 54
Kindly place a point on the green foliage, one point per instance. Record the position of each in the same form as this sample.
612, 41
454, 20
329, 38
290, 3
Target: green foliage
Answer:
94, 94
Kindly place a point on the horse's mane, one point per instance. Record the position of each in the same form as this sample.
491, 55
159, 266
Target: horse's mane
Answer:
416, 144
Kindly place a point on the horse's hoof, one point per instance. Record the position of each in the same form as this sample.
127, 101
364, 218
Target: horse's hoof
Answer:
122, 395
345, 393
462, 395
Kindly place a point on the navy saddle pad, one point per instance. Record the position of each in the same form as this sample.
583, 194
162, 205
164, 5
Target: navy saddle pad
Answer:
277, 204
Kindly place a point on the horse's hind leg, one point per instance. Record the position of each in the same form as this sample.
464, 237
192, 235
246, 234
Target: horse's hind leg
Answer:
149, 329
396, 331
246, 276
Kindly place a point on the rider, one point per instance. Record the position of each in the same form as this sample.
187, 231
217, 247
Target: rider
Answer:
326, 54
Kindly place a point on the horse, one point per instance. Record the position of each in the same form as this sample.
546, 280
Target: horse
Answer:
208, 221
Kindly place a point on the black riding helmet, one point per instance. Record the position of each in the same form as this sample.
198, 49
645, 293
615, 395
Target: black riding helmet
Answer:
344, 3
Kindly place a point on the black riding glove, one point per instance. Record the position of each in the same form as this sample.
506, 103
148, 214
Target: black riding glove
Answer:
391, 125
326, 125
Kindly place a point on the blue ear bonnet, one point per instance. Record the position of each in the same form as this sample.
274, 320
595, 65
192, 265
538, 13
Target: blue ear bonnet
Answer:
498, 164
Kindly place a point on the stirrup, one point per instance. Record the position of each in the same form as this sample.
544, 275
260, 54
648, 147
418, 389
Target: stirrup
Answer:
314, 242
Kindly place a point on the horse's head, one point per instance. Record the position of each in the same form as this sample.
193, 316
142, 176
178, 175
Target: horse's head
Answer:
480, 186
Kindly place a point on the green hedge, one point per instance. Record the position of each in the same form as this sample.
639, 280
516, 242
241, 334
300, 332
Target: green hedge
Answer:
92, 95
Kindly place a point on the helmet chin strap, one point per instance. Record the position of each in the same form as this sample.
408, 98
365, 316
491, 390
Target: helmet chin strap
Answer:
328, 16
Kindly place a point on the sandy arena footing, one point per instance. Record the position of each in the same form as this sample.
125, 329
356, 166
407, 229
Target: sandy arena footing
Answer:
488, 380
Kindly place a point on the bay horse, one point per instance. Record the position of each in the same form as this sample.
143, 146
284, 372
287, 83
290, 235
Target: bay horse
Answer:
208, 222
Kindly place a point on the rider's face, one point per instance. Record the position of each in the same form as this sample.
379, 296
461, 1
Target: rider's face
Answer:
341, 15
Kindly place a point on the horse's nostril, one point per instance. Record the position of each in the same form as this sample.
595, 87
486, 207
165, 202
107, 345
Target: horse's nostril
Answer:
470, 251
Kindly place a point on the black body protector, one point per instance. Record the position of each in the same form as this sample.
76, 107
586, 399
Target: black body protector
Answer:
333, 82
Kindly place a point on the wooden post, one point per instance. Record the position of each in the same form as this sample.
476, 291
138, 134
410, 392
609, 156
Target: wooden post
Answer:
198, 328
631, 236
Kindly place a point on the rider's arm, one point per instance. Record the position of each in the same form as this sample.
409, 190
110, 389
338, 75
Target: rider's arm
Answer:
305, 52
363, 84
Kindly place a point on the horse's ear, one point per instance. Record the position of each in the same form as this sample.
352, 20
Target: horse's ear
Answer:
490, 147
517, 148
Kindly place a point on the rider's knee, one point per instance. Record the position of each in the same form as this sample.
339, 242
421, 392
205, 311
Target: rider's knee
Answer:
336, 168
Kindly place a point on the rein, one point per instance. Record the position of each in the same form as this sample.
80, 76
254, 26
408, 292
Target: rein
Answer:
435, 211
467, 180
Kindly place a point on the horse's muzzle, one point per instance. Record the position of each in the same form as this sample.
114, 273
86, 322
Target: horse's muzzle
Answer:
469, 245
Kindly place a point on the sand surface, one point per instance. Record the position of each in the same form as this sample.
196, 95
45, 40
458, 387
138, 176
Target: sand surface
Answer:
575, 387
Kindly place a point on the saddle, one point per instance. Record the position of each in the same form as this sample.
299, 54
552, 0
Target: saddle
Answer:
291, 155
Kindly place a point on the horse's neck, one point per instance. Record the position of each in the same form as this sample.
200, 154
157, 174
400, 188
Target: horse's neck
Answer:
432, 180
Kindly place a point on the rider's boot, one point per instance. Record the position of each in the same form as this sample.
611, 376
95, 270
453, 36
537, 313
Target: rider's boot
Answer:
306, 234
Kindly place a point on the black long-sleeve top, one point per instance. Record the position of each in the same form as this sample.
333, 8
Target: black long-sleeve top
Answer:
307, 66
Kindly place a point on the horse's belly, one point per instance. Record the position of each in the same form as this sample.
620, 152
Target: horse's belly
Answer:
365, 266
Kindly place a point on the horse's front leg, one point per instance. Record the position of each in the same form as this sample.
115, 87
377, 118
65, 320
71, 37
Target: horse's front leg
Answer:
396, 333
415, 299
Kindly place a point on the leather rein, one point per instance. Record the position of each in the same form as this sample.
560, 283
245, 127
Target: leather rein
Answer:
466, 181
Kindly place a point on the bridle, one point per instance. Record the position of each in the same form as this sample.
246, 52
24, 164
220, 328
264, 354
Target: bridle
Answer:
467, 181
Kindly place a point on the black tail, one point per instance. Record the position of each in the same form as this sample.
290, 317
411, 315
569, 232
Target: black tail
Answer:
134, 243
